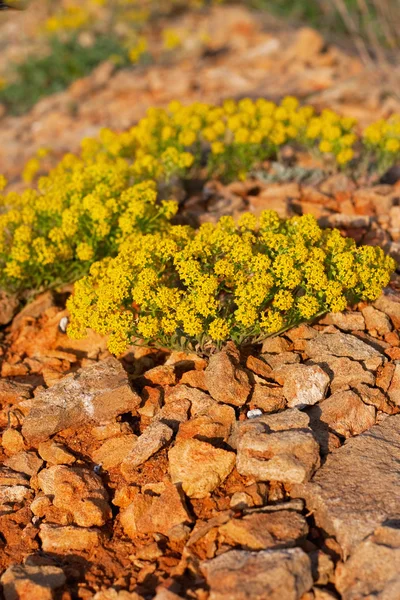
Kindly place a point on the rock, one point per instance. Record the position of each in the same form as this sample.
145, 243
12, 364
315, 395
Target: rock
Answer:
292, 418
339, 344
152, 402
12, 441
98, 393
173, 413
263, 530
272, 574
40, 505
376, 321
302, 385
259, 367
76, 491
8, 307
188, 360
225, 379
375, 397
394, 388
113, 451
10, 477
389, 303
373, 570
199, 467
103, 432
13, 494
344, 413
343, 371
34, 309
155, 437
289, 455
346, 321
165, 594
113, 594
159, 511
196, 379
12, 392
55, 454
161, 375
205, 428
275, 345
31, 581
268, 398
276, 361
58, 539
384, 376
357, 488
25, 462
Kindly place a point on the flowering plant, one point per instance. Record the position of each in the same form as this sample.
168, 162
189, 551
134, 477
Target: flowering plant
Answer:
87, 205
242, 281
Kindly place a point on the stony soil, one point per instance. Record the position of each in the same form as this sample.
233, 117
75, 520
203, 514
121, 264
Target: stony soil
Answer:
248, 54
270, 473
262, 474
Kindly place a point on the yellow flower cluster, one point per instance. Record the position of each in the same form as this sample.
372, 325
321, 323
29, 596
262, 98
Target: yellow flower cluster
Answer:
335, 134
383, 139
240, 280
88, 204
80, 212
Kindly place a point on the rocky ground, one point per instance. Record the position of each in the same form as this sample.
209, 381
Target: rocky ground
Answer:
269, 473
262, 474
226, 52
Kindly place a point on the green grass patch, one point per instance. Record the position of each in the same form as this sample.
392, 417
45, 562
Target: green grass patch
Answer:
66, 62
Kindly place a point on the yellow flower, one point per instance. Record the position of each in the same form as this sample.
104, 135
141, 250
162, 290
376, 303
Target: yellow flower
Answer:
84, 251
219, 330
392, 145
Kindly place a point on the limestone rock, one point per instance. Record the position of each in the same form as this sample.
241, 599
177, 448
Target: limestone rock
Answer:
272, 574
199, 467
289, 455
389, 303
373, 570
263, 530
155, 437
394, 388
346, 321
302, 385
343, 371
77, 491
268, 398
64, 540
225, 379
97, 393
375, 397
340, 344
155, 512
12, 441
344, 413
358, 487
31, 581
55, 454
114, 451
24, 462
10, 494
8, 307
376, 320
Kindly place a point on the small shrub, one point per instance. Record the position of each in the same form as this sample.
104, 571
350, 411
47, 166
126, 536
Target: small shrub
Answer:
87, 205
242, 281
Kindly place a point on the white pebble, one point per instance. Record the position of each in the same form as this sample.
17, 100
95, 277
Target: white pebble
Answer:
252, 414
63, 324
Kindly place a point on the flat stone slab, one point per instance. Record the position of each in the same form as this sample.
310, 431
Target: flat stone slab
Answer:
358, 488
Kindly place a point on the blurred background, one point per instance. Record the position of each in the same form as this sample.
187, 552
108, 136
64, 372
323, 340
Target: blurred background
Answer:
68, 67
